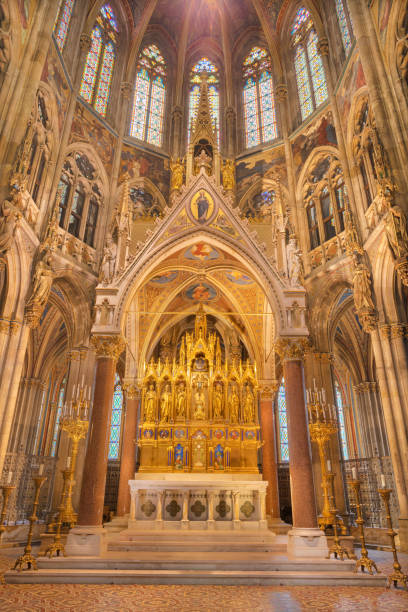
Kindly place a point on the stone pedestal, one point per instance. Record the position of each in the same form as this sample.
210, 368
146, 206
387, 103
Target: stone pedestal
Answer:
307, 542
86, 541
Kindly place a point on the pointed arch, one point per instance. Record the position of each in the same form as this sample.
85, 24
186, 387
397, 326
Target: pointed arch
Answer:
62, 23
204, 66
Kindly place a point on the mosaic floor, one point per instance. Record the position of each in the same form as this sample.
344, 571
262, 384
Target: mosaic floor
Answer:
135, 598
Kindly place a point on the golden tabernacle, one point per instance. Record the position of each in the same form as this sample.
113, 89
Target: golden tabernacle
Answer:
199, 413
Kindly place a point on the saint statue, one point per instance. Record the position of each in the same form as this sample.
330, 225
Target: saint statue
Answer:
150, 401
218, 401
181, 401
43, 277
108, 262
9, 222
295, 264
396, 229
176, 174
199, 410
228, 175
165, 404
362, 288
234, 405
249, 405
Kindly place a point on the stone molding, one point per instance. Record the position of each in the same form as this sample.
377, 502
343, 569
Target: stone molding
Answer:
131, 390
292, 349
366, 386
109, 347
393, 330
268, 389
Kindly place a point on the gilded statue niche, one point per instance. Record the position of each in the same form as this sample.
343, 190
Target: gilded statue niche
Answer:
199, 413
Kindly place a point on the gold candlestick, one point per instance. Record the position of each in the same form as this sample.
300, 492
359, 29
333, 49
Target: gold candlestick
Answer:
364, 561
397, 575
7, 489
321, 428
27, 557
76, 428
57, 546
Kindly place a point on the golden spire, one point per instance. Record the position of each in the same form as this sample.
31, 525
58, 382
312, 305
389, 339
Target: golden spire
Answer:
203, 125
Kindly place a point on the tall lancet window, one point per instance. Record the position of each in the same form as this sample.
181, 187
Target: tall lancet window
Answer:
61, 25
116, 420
342, 424
310, 77
259, 102
204, 66
283, 424
98, 71
149, 97
345, 25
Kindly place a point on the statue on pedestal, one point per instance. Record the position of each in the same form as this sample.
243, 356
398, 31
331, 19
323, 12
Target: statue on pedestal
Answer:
165, 404
150, 403
228, 175
181, 401
249, 405
218, 402
199, 410
234, 405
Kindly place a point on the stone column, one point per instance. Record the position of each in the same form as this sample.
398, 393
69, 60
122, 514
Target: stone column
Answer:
128, 455
87, 538
305, 539
269, 459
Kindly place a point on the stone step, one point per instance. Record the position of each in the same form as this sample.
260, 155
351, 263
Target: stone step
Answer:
232, 577
179, 545
198, 536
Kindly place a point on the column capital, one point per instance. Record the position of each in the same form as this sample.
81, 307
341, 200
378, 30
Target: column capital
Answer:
385, 331
177, 112
281, 92
322, 356
131, 390
398, 330
85, 41
323, 46
126, 89
268, 389
108, 346
292, 349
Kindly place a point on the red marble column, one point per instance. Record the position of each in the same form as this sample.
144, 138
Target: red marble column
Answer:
128, 456
269, 460
300, 456
108, 349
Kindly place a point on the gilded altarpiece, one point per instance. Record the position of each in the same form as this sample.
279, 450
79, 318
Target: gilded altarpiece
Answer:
199, 413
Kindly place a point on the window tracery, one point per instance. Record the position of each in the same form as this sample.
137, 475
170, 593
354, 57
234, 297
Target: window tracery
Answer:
341, 420
283, 424
310, 77
345, 25
259, 101
58, 414
402, 44
98, 71
62, 23
116, 420
149, 97
204, 67
258, 207
80, 198
325, 199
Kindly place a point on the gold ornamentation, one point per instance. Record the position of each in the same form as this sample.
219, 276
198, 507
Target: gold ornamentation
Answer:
109, 347
177, 174
364, 562
132, 390
292, 348
57, 547
6, 489
228, 175
397, 575
27, 558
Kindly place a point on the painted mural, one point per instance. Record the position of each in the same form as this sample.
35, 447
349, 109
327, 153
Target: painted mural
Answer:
201, 292
201, 251
268, 164
258, 208
86, 128
140, 163
238, 278
353, 80
165, 279
384, 11
202, 206
53, 75
144, 206
318, 134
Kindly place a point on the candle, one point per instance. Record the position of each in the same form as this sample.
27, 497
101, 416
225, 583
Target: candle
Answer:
41, 469
329, 465
73, 391
383, 485
89, 393
83, 378
314, 384
354, 472
9, 478
324, 395
68, 462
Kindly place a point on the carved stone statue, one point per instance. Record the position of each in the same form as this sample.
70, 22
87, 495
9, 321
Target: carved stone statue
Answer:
234, 405
177, 174
218, 403
396, 229
181, 401
228, 175
203, 161
9, 222
150, 404
249, 405
108, 261
165, 404
351, 239
43, 277
295, 264
199, 409
362, 288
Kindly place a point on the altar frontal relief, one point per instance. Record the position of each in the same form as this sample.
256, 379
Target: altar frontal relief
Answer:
199, 413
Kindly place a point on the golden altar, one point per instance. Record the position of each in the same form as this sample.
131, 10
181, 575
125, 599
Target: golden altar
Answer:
199, 413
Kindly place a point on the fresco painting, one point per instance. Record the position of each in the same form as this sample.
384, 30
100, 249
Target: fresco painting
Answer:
237, 277
201, 292
165, 279
142, 164
53, 75
319, 134
86, 128
201, 251
268, 164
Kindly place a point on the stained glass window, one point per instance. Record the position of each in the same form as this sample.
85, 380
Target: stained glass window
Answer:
149, 97
62, 23
60, 404
310, 77
204, 67
116, 420
343, 25
97, 76
259, 102
283, 423
342, 426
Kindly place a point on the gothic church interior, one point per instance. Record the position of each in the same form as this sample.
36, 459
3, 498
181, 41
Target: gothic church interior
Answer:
203, 290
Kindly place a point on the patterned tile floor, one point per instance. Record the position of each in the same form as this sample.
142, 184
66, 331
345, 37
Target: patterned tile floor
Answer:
135, 598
